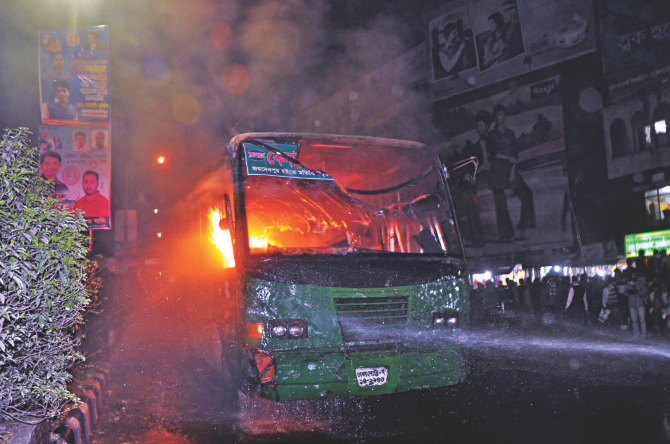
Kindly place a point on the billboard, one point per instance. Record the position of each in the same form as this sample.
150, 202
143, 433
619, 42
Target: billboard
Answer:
520, 201
78, 160
479, 42
655, 240
636, 41
74, 76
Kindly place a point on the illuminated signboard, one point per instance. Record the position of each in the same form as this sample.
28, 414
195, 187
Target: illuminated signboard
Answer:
264, 162
655, 240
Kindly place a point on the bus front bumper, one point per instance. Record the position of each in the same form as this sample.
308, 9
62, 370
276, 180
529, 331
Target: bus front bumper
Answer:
326, 374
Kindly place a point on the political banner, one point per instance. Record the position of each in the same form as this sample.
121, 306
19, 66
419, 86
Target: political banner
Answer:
74, 76
474, 43
519, 201
78, 160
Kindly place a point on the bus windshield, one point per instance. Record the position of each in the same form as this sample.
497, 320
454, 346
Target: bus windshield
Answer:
345, 196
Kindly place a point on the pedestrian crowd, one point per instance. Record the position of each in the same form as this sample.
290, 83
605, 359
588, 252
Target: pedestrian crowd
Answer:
635, 298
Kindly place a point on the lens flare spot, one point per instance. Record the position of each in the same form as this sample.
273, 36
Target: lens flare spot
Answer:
186, 109
133, 41
236, 79
156, 70
220, 35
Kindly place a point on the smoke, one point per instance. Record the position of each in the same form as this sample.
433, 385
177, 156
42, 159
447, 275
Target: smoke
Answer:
187, 76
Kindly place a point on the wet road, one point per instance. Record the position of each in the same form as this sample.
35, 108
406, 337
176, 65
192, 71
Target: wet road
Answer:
543, 386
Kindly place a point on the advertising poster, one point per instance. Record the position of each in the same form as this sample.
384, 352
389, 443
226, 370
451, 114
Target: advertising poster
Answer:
636, 41
78, 160
479, 42
74, 76
453, 44
519, 201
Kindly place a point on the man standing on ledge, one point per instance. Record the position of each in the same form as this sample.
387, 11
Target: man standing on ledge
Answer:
93, 204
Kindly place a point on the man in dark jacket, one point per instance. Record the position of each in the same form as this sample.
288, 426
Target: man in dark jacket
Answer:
577, 305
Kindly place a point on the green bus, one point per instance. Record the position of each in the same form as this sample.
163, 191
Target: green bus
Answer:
345, 267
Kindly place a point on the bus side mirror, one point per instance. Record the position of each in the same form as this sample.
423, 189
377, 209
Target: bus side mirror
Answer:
224, 224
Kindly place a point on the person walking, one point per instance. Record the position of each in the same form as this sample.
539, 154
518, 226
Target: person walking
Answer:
577, 305
637, 300
610, 301
658, 301
551, 303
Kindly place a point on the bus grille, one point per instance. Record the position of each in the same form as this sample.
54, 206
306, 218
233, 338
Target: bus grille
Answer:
375, 319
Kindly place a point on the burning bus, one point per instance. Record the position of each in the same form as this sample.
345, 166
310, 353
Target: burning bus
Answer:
344, 267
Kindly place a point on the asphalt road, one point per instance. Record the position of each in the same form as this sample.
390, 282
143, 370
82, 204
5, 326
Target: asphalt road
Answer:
565, 386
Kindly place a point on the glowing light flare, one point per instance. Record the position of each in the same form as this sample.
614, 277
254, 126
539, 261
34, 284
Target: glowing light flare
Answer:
222, 240
236, 79
186, 109
220, 35
159, 234
160, 159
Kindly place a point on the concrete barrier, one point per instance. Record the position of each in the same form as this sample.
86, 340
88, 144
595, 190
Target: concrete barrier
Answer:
83, 418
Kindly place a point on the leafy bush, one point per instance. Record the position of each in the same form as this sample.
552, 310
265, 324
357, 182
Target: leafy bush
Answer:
43, 249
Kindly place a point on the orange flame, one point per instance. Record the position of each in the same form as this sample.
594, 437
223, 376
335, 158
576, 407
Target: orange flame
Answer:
222, 240
258, 242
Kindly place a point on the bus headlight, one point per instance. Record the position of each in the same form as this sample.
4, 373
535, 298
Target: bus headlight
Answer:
278, 331
448, 319
288, 328
296, 330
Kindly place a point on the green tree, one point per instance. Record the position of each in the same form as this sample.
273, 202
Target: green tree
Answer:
43, 294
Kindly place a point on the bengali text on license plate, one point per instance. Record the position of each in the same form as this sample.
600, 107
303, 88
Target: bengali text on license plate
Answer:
372, 376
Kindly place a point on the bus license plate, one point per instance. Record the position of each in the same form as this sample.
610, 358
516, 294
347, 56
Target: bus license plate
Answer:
372, 376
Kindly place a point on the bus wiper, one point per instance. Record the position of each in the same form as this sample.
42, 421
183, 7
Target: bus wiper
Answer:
287, 157
398, 187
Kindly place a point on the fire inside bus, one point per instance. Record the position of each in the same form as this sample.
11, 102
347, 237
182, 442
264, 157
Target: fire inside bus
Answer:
350, 278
